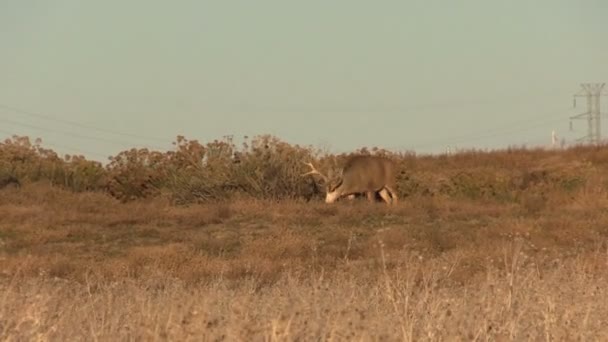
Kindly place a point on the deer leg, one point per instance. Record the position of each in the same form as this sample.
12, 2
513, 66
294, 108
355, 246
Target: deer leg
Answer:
371, 196
384, 193
393, 193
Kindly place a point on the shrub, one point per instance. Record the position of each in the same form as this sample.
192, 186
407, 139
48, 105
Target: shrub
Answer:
266, 167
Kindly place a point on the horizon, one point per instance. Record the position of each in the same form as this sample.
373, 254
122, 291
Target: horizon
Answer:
413, 76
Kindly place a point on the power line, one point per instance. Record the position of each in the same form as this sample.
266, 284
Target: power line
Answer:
10, 134
514, 127
77, 124
399, 108
75, 135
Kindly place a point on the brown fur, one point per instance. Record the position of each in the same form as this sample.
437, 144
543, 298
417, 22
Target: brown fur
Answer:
366, 174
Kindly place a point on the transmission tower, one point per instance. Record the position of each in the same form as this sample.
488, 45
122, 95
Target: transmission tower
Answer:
593, 92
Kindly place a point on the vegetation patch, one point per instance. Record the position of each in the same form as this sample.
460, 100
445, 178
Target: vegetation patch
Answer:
229, 243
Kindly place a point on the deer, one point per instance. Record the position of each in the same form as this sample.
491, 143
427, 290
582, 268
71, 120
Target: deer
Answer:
361, 174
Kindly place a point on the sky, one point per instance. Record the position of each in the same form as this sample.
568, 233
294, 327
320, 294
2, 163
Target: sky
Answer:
97, 78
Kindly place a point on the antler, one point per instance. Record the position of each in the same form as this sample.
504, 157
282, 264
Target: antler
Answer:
314, 171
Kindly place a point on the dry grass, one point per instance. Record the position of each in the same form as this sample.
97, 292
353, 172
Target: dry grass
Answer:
507, 245
268, 168
83, 266
563, 303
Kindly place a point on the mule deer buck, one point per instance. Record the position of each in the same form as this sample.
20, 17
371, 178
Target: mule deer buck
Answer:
361, 174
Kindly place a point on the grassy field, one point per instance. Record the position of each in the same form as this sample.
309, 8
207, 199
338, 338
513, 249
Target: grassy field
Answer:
85, 266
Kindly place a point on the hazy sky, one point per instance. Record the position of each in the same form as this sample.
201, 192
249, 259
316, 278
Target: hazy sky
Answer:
340, 74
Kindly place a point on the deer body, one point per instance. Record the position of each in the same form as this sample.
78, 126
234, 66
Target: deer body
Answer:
362, 174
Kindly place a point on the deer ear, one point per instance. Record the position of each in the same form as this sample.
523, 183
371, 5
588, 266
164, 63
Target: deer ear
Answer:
333, 185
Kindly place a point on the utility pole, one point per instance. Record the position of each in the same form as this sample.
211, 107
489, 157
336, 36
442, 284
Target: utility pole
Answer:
593, 92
